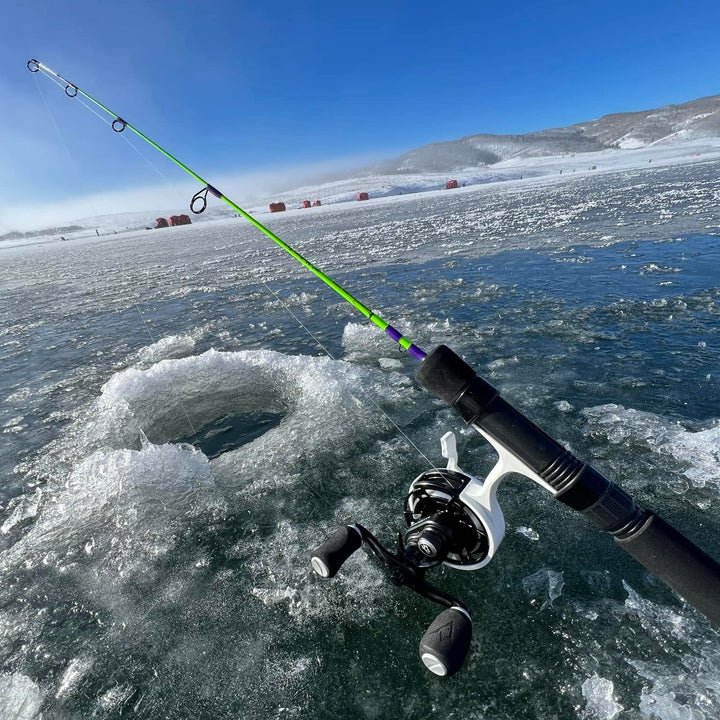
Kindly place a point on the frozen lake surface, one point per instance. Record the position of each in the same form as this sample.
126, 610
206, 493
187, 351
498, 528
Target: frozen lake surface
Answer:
174, 443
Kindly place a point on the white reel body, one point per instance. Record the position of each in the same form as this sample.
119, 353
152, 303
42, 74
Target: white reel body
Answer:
438, 491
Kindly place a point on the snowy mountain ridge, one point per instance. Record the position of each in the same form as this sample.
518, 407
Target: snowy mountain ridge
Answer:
694, 120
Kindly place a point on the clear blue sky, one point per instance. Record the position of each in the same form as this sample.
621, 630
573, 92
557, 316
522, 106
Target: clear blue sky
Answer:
253, 87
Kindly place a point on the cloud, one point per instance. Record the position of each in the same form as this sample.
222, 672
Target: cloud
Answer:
246, 189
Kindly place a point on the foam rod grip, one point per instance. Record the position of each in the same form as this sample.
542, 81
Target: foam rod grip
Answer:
680, 564
445, 645
329, 557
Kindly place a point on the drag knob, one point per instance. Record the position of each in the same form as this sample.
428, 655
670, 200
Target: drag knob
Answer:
446, 643
329, 557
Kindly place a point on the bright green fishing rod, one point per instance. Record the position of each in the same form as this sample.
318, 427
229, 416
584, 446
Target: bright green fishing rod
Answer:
200, 200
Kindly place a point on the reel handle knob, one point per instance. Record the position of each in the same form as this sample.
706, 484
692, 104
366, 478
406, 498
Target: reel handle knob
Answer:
329, 557
446, 642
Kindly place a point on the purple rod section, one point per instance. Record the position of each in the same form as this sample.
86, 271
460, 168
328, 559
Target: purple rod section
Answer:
413, 349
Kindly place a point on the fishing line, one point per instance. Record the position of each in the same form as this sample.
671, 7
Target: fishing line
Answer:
330, 355
172, 382
151, 164
70, 155
106, 122
299, 321
54, 121
200, 201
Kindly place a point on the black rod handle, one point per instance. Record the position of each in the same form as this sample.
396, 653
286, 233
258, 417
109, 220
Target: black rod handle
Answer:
679, 563
650, 540
573, 482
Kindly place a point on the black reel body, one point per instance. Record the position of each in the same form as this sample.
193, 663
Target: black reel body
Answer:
440, 524
453, 519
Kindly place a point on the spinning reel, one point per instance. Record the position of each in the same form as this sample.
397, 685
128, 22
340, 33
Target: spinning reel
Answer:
453, 519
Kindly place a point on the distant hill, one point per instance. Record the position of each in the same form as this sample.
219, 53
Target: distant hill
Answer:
65, 229
693, 120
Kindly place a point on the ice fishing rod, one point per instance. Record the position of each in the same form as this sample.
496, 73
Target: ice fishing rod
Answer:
198, 204
454, 518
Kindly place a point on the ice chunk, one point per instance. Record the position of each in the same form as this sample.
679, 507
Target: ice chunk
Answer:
601, 705
74, 673
528, 532
665, 707
20, 698
116, 697
389, 363
698, 450
25, 509
173, 346
363, 342
701, 451
545, 585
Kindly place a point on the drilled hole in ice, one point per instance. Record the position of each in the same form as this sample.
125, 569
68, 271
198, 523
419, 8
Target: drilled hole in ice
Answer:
231, 432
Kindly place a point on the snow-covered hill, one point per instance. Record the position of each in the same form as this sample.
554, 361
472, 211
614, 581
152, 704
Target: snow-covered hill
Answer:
695, 120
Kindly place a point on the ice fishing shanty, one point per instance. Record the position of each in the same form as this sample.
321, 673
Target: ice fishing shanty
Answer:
172, 221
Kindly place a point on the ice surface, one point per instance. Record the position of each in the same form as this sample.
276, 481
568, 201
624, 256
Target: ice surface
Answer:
140, 577
686, 687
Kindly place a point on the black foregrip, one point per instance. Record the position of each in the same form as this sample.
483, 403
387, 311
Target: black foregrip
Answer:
329, 557
679, 563
450, 378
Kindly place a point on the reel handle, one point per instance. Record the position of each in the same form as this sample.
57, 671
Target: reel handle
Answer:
446, 642
327, 559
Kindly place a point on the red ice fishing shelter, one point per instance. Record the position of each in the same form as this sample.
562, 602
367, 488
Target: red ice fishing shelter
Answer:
450, 184
363, 196
316, 203
161, 222
180, 220
306, 203
277, 207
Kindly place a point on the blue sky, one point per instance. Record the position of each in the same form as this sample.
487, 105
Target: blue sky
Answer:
265, 92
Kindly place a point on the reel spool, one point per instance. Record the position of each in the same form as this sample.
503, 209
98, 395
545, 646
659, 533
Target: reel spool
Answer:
440, 524
453, 519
